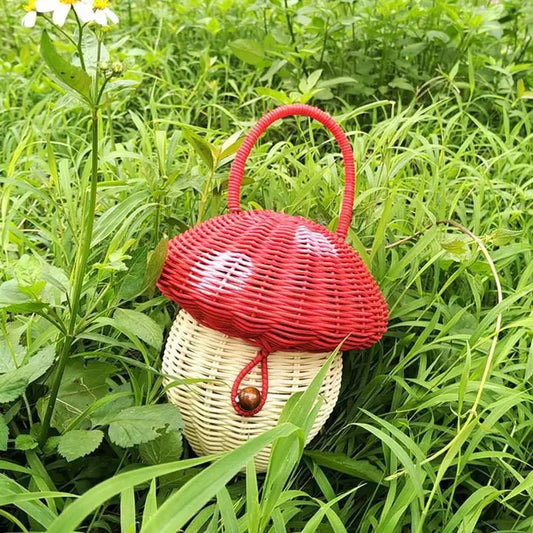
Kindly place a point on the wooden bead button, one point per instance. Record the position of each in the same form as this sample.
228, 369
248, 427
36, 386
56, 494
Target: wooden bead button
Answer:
249, 398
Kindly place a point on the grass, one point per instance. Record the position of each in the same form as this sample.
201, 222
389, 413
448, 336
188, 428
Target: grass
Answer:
433, 428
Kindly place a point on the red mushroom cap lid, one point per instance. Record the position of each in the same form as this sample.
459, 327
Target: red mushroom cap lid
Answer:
280, 282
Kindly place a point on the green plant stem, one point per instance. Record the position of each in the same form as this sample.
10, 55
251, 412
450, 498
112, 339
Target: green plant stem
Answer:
157, 218
293, 37
101, 92
80, 41
289, 23
54, 321
324, 43
79, 275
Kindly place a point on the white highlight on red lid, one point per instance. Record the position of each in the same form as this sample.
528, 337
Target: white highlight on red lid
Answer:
314, 243
220, 272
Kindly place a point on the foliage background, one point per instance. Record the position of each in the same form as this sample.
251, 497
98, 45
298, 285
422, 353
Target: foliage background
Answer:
436, 97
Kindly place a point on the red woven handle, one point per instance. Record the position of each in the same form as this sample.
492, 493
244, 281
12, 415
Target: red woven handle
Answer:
237, 168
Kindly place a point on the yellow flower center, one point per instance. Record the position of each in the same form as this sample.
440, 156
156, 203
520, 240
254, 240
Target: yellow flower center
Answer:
71, 2
30, 6
101, 4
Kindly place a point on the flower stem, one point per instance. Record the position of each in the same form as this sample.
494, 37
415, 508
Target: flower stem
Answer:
80, 268
80, 42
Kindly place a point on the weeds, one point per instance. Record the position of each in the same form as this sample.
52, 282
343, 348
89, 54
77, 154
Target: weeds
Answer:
432, 431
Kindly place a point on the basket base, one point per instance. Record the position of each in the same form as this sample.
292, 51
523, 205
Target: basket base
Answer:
211, 425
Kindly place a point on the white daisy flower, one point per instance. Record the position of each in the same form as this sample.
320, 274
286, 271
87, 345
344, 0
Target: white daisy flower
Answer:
61, 9
28, 21
103, 13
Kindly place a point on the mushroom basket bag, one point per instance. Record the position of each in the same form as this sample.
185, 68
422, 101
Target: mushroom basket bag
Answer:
265, 297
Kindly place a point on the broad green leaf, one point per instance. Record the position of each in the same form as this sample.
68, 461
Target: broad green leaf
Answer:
12, 386
80, 387
276, 95
249, 51
139, 424
57, 287
16, 379
110, 405
16, 301
154, 266
139, 325
212, 25
132, 282
25, 442
202, 147
28, 272
72, 76
163, 449
457, 248
51, 444
230, 146
79, 443
37, 365
401, 83
12, 355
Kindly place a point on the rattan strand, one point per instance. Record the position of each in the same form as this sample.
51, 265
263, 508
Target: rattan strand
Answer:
211, 424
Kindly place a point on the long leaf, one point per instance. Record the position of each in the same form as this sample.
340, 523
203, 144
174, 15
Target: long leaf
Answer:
72, 76
75, 513
188, 500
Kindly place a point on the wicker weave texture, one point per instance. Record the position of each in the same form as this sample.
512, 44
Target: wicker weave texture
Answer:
211, 423
281, 282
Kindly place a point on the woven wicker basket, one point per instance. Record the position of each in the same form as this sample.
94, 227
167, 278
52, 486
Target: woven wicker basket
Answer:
266, 296
211, 423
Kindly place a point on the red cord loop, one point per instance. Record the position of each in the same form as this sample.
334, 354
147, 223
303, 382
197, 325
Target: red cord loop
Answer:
260, 358
237, 168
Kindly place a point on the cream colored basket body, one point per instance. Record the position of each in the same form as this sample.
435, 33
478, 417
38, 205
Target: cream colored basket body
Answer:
211, 423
